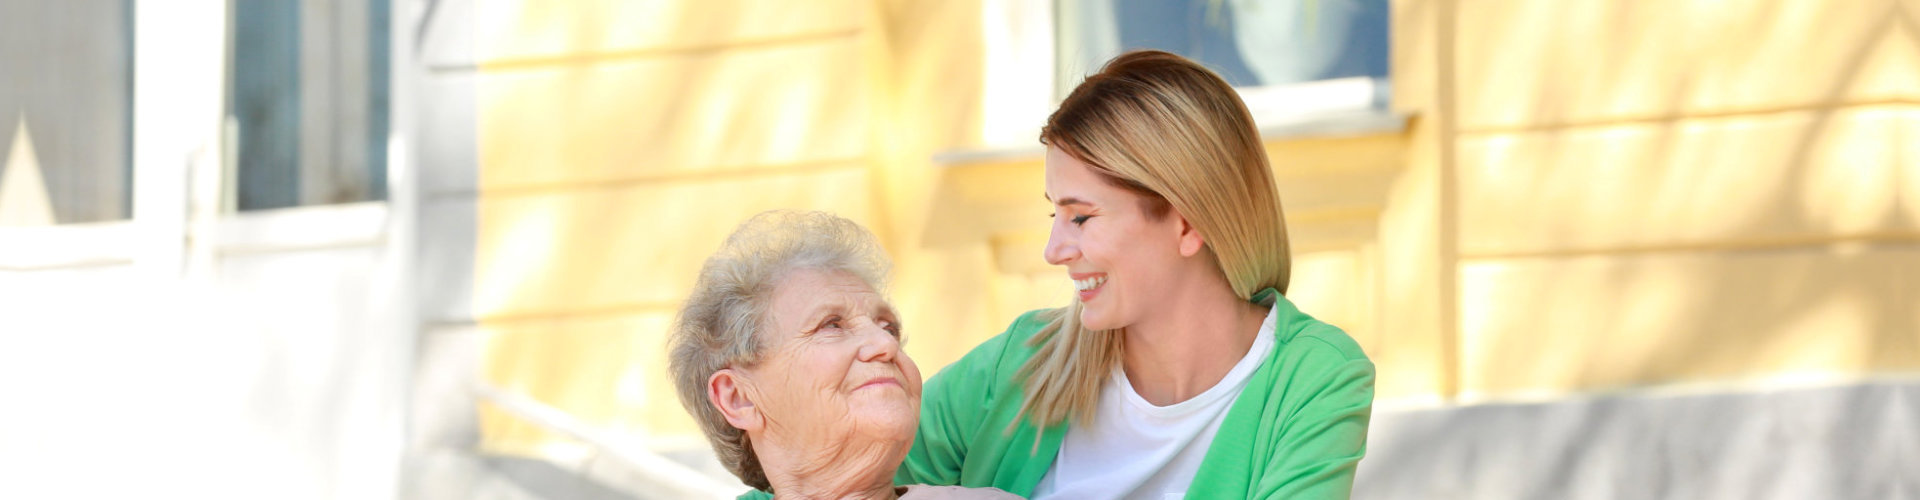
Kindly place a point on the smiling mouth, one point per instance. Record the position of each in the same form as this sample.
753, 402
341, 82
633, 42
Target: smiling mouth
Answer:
880, 382
1089, 283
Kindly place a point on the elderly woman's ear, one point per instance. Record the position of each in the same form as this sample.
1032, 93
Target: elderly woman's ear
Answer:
730, 394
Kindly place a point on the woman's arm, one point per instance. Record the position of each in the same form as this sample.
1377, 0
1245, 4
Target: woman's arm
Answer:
940, 444
955, 404
951, 409
1323, 438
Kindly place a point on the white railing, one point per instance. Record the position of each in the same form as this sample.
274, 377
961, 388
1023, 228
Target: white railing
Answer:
668, 479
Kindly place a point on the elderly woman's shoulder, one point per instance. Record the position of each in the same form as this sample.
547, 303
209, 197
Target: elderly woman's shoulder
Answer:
929, 492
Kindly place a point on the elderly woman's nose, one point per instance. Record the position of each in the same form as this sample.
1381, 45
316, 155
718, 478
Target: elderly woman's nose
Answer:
877, 344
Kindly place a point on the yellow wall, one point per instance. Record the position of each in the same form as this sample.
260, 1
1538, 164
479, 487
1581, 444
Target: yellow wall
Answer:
1590, 194
621, 141
1674, 192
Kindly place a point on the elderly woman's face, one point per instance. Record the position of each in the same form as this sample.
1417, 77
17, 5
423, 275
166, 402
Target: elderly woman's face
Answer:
833, 367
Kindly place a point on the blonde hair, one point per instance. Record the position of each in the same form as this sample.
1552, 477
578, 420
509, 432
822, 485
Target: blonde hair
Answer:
720, 323
1171, 130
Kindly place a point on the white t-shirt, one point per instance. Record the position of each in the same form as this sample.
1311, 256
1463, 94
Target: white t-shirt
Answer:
1134, 449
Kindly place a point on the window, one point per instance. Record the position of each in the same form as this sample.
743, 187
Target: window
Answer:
66, 111
307, 107
1291, 59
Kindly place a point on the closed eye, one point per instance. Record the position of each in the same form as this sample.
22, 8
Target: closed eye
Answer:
1076, 220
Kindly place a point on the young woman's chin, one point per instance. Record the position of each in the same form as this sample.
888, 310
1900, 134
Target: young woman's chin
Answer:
1097, 319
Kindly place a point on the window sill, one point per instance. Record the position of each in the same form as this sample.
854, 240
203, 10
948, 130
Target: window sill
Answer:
302, 228
95, 244
1338, 107
1330, 108
117, 243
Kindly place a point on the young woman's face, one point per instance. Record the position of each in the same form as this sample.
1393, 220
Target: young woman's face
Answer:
1120, 259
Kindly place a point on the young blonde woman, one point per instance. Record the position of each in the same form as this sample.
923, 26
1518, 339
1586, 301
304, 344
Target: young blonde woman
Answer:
1180, 369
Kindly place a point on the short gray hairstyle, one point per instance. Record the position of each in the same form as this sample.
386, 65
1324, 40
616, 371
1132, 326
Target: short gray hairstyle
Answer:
720, 323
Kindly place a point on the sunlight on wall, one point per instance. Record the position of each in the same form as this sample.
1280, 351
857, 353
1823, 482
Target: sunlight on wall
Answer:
1641, 196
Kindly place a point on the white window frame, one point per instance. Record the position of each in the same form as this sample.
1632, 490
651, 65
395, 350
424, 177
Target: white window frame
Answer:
181, 217
1019, 81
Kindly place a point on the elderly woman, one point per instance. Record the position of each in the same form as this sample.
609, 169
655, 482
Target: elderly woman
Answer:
789, 357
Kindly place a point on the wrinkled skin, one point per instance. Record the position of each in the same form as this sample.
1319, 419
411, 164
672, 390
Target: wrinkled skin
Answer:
832, 406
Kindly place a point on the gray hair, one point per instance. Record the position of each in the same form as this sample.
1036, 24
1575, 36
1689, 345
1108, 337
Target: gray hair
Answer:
720, 322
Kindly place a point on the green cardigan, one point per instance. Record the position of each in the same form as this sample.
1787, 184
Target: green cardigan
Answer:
1298, 429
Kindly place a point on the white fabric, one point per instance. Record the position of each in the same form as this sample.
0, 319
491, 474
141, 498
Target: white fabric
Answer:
1134, 449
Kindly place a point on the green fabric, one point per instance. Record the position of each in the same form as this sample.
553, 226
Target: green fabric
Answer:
1298, 429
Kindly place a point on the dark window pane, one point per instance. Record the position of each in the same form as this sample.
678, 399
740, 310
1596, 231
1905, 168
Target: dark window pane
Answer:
379, 69
1249, 42
265, 102
310, 101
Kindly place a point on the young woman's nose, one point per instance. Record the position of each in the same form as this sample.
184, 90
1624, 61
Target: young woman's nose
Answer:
1060, 248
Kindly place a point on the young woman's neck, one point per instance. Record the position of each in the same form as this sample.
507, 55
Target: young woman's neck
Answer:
1190, 341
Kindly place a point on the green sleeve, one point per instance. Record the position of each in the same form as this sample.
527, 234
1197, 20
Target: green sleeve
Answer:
1325, 434
940, 444
953, 406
